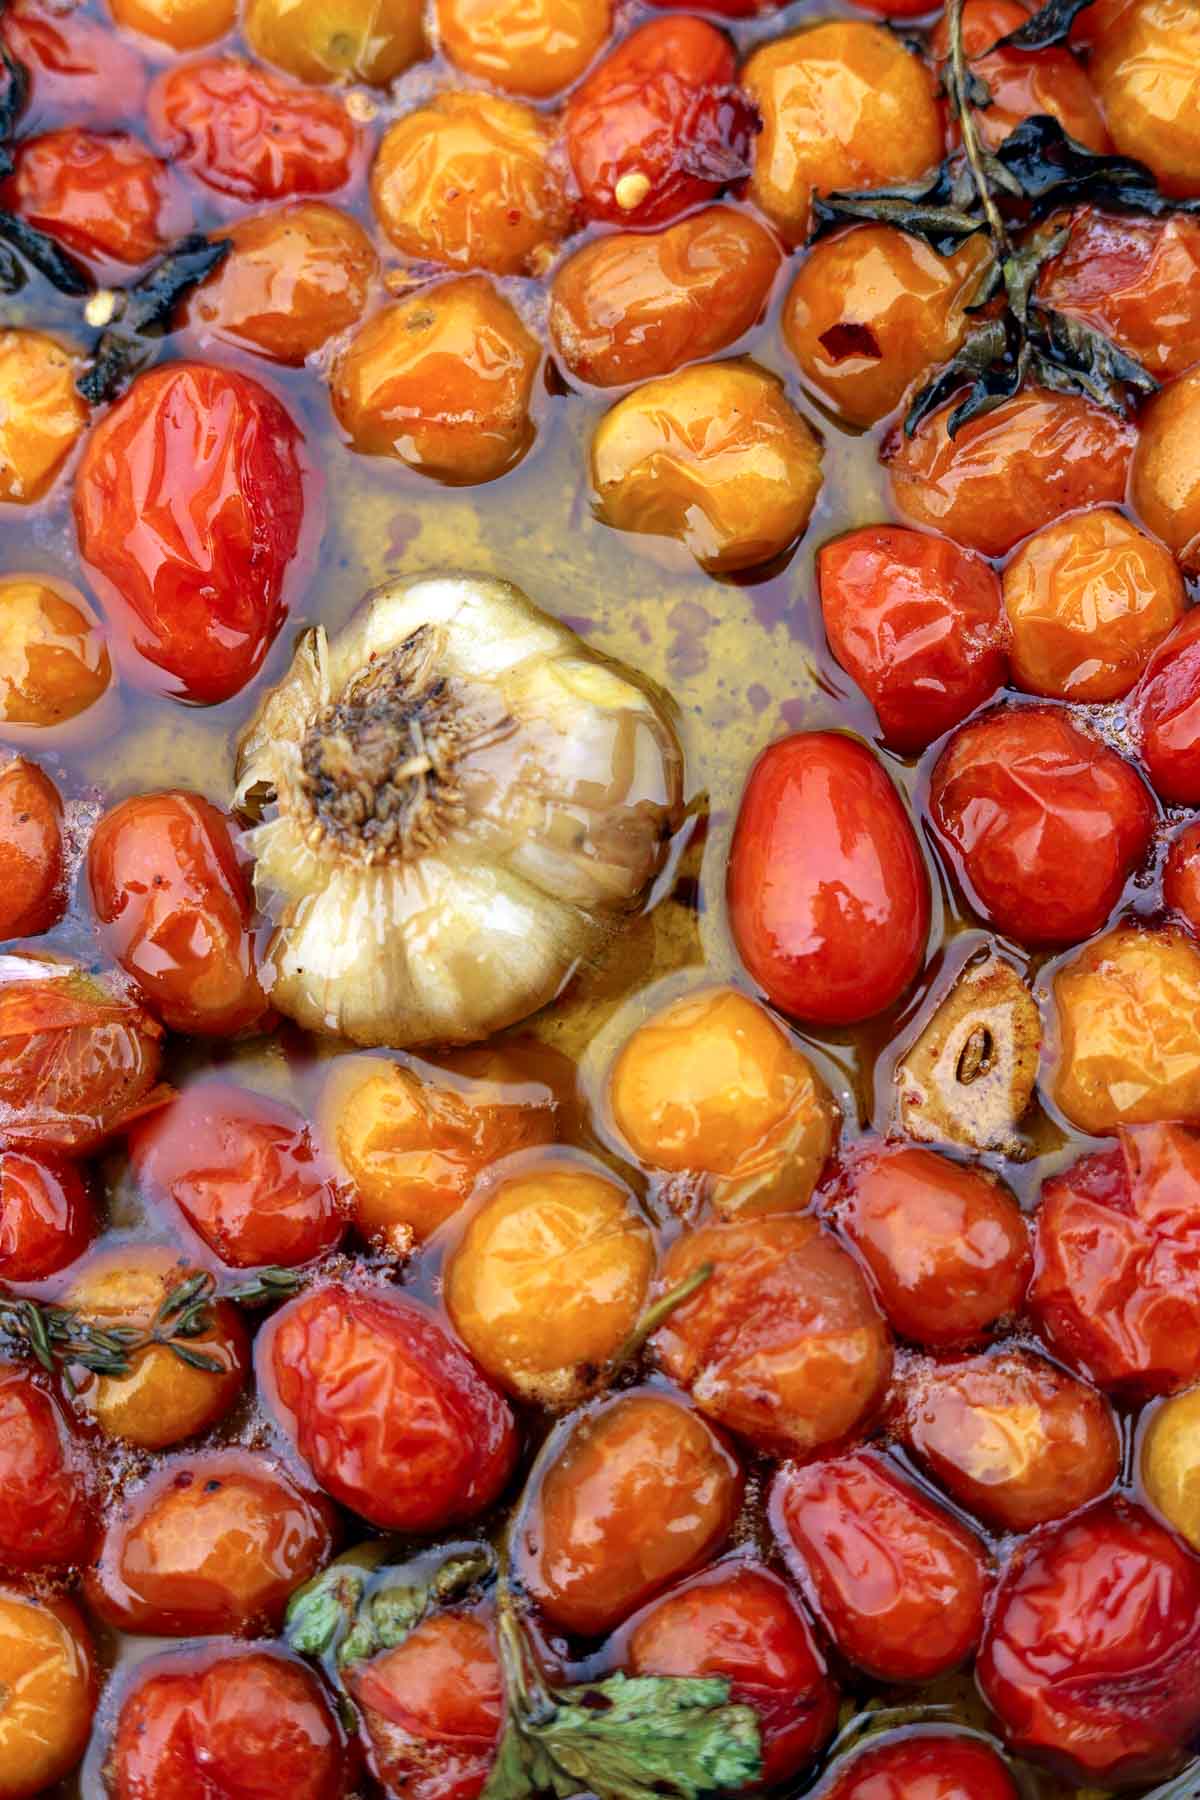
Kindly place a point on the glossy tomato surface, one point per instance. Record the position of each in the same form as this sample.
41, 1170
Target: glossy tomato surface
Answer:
434, 1707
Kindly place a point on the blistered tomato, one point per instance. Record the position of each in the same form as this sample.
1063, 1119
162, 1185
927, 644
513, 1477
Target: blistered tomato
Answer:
1136, 280
351, 40
1165, 716
897, 1582
740, 1623
828, 895
189, 503
47, 1507
1044, 824
47, 1217
105, 197
630, 1495
1144, 67
180, 24
41, 414
386, 1408
48, 1693
533, 47
433, 1708
245, 1172
1090, 1657
81, 71
926, 1765
1022, 84
919, 625
1165, 484
32, 866
1181, 876
54, 661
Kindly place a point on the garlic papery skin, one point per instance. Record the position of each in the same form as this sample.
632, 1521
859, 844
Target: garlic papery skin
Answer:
459, 802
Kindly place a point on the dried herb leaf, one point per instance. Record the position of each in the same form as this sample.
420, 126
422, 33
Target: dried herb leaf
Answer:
1053, 171
979, 364
267, 1286
1051, 24
350, 1613
942, 210
12, 105
1096, 367
45, 255
129, 344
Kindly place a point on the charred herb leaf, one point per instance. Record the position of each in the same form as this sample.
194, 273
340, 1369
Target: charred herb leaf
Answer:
45, 255
943, 210
12, 105
145, 314
1051, 171
1051, 24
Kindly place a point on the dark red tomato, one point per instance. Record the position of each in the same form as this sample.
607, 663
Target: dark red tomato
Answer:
661, 125
228, 1724
946, 1244
740, 1623
1137, 280
245, 1172
189, 503
918, 623
899, 1585
386, 1408
433, 1708
77, 1059
47, 1218
1023, 83
828, 894
32, 866
1181, 876
1165, 715
104, 196
1117, 1287
923, 1765
1043, 824
47, 1515
81, 70
175, 909
249, 132
1092, 1652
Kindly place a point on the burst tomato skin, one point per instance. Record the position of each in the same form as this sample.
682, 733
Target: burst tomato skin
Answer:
434, 1707
928, 1765
661, 119
828, 895
81, 70
32, 864
189, 504
46, 1215
386, 1408
47, 1518
104, 196
1166, 715
1090, 1655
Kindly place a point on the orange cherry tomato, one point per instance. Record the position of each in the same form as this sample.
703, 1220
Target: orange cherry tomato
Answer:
178, 24
926, 1765
532, 47
1023, 83
47, 1507
32, 865
433, 1708
1144, 67
1181, 876
42, 414
47, 1217
105, 197
54, 663
82, 72
189, 504
1165, 479
48, 1691
173, 903
1137, 280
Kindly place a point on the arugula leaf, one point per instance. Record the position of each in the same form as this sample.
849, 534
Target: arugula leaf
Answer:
1051, 24
128, 344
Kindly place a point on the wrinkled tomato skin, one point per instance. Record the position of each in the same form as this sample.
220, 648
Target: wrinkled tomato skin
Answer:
919, 625
928, 1765
663, 106
174, 908
250, 133
1166, 715
433, 1708
1090, 1656
1042, 823
47, 1516
1136, 280
47, 1217
32, 863
740, 1623
1181, 877
897, 1582
81, 70
189, 504
1023, 83
828, 895
245, 1172
104, 197
386, 1408
228, 1723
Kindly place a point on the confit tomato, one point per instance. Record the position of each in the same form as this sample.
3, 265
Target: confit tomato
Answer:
533, 47
189, 504
230, 1724
1043, 824
1144, 68
919, 625
48, 1690
56, 664
32, 862
104, 196
174, 909
740, 1623
246, 1173
660, 126
81, 70
1137, 280
47, 1507
177, 24
828, 894
433, 1707
386, 1408
1090, 1655
47, 1217
897, 1582
1181, 876
42, 415
1165, 478
1023, 83
1165, 715
926, 1765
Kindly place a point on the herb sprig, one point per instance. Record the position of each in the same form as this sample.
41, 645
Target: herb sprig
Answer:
144, 312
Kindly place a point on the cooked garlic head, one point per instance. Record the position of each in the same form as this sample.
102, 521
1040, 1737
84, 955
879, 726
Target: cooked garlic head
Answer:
458, 802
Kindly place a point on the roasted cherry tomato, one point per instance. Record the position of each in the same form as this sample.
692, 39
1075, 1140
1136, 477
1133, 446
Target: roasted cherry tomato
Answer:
180, 24
1165, 716
1043, 823
1181, 876
828, 895
47, 1216
48, 1690
1169, 1463
1165, 484
897, 1582
923, 1765
629, 1496
250, 133
917, 622
32, 863
245, 1172
228, 1723
54, 661
1135, 279
189, 503
47, 1506
214, 1542
105, 197
81, 70
433, 1708
1144, 66
41, 414
946, 1245
532, 47
741, 1624
351, 40
1023, 84
660, 126
1091, 1653
386, 1408
782, 1342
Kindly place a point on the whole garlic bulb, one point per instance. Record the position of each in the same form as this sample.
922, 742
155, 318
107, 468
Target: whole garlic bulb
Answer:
459, 801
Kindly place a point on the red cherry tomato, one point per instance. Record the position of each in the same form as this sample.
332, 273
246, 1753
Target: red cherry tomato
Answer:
1044, 824
189, 503
105, 197
740, 1623
245, 1173
386, 1408
46, 1215
47, 1510
1022, 83
1137, 280
828, 894
32, 865
174, 908
1165, 715
926, 1765
81, 70
433, 1708
918, 623
899, 1584
249, 132
1092, 1652
228, 1724
660, 125
1181, 876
